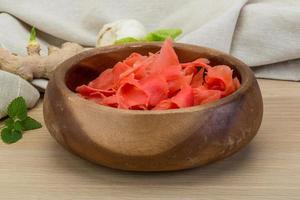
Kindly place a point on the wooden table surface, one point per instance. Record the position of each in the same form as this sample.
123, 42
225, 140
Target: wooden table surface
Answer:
37, 168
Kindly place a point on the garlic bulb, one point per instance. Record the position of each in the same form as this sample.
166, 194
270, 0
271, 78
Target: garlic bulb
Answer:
12, 86
114, 31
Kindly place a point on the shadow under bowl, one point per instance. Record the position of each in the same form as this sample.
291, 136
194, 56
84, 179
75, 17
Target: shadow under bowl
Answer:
162, 140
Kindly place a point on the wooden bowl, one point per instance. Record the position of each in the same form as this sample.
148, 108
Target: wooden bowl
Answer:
150, 140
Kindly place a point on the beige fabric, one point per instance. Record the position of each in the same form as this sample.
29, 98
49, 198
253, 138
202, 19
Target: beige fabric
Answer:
263, 33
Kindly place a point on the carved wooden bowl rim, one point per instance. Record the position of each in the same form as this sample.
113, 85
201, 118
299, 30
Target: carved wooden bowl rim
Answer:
242, 69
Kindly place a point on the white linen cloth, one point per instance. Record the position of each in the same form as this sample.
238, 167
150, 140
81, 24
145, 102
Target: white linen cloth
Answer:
265, 34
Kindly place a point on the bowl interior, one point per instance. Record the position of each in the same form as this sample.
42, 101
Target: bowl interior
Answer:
90, 67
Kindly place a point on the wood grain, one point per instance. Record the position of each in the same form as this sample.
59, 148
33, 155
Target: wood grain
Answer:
269, 168
160, 140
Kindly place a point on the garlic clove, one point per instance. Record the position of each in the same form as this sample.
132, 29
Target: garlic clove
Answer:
114, 31
40, 84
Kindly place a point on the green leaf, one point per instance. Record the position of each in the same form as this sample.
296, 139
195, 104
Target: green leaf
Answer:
17, 121
9, 123
163, 34
10, 136
18, 126
32, 35
126, 40
17, 108
5, 135
30, 124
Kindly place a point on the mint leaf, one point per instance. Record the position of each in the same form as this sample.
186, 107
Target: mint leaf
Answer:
10, 136
30, 124
17, 121
9, 123
126, 40
5, 135
18, 126
17, 109
163, 34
